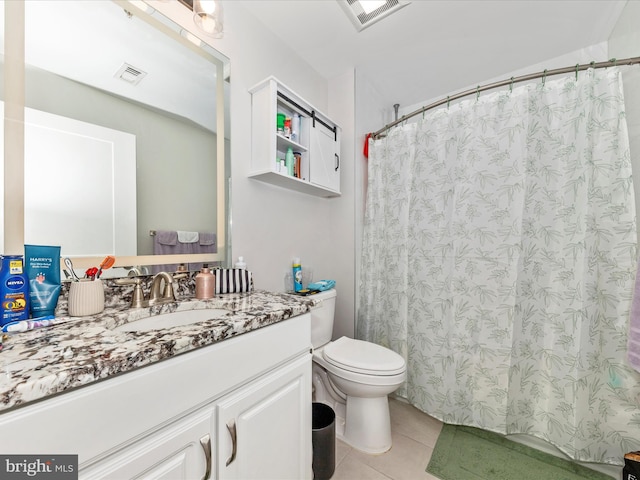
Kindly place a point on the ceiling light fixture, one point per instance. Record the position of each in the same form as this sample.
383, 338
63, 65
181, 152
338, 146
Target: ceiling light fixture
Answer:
207, 15
364, 13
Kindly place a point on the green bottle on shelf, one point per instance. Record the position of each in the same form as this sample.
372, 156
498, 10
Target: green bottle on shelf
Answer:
289, 161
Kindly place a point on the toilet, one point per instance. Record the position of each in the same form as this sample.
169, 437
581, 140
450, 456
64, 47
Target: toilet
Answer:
354, 378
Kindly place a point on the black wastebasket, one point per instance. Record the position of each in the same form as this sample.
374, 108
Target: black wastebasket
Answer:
324, 441
631, 469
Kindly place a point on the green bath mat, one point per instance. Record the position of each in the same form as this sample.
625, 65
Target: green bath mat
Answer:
465, 453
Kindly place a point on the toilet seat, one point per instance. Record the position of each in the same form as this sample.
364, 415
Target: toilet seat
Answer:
362, 357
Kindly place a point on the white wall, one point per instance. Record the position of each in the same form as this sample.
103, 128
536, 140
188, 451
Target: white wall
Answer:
342, 221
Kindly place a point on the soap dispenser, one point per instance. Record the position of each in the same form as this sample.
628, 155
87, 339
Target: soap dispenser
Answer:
205, 284
241, 263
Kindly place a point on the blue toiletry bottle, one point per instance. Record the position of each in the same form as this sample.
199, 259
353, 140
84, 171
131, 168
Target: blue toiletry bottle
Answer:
297, 275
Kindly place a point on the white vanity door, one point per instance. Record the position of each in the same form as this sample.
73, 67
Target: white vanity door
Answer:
264, 429
181, 451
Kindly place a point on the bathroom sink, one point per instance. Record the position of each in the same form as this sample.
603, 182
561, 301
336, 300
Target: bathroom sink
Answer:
173, 319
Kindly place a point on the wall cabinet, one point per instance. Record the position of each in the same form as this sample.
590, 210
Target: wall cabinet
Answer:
317, 141
238, 409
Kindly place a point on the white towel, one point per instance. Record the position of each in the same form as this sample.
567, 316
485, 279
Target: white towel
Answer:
188, 237
633, 345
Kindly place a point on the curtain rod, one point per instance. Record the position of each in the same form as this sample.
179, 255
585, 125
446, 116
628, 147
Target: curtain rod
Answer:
558, 71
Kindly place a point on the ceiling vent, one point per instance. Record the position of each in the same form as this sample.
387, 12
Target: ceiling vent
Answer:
130, 74
364, 13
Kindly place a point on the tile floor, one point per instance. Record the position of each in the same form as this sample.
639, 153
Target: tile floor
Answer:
414, 436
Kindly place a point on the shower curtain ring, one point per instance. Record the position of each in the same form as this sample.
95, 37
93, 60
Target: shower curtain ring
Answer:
478, 93
577, 65
544, 77
511, 85
447, 102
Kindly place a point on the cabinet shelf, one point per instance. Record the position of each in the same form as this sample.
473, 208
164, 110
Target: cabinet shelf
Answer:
318, 141
293, 183
284, 143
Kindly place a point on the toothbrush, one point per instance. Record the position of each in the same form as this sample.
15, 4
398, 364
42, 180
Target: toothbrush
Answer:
24, 325
108, 262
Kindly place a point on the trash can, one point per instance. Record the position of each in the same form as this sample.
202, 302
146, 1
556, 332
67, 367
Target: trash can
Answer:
324, 441
631, 469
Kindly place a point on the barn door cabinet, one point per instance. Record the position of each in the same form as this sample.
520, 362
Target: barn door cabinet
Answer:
318, 141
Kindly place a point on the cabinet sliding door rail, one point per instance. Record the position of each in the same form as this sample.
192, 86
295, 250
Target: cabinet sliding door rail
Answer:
311, 114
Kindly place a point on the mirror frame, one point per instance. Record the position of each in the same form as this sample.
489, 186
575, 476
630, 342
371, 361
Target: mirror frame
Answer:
14, 76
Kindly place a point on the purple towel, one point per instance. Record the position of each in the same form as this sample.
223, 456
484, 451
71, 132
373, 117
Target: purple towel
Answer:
633, 346
162, 239
208, 240
166, 242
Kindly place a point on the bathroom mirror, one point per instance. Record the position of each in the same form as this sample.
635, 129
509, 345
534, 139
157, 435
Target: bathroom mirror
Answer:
124, 134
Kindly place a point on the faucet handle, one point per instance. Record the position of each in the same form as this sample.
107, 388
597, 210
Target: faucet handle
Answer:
168, 293
137, 299
127, 281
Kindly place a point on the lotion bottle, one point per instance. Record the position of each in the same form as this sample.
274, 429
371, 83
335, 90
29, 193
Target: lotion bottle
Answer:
241, 263
295, 127
290, 160
205, 284
297, 275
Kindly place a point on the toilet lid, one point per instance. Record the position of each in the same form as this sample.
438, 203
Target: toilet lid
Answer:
363, 357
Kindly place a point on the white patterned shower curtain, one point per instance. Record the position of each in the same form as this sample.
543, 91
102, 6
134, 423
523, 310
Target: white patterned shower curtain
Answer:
499, 259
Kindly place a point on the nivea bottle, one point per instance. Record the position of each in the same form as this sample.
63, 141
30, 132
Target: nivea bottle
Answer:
14, 290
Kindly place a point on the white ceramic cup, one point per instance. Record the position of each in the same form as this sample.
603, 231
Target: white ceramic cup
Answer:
86, 297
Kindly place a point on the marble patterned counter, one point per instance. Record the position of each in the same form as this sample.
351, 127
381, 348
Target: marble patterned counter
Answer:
77, 351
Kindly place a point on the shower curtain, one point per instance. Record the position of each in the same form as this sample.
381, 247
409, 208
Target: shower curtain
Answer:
499, 257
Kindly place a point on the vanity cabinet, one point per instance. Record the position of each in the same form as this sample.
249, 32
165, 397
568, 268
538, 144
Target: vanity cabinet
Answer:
262, 428
169, 420
317, 141
180, 451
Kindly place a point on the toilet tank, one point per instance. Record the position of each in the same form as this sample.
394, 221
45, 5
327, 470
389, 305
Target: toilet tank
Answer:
322, 318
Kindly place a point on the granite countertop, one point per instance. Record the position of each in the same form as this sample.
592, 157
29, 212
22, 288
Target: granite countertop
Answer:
77, 351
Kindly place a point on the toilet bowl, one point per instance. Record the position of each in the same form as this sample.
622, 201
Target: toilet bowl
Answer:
354, 377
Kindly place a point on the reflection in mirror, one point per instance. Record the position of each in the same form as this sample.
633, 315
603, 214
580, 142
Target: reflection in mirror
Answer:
121, 134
